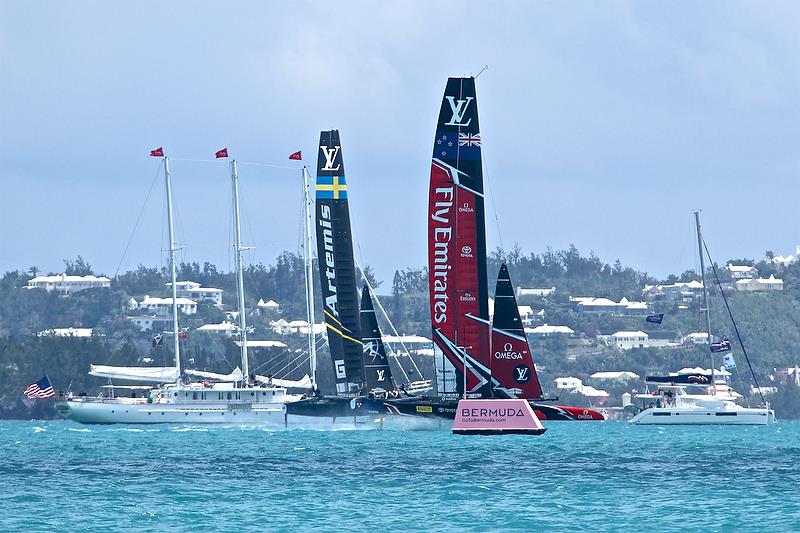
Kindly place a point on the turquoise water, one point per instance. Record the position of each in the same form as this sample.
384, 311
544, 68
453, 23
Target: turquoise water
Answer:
606, 476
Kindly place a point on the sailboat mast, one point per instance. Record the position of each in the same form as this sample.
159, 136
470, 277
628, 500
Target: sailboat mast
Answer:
705, 297
308, 258
239, 269
173, 270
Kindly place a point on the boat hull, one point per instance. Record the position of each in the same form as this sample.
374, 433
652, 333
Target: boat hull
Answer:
663, 416
434, 408
111, 412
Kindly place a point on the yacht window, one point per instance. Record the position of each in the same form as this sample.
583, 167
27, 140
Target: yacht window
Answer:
229, 395
194, 396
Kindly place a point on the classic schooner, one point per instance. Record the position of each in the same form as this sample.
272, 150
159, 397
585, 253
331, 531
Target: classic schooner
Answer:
235, 398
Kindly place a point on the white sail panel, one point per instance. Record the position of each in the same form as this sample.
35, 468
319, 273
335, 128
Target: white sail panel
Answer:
234, 376
160, 374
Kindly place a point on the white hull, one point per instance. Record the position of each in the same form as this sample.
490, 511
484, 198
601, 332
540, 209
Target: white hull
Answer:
265, 414
740, 416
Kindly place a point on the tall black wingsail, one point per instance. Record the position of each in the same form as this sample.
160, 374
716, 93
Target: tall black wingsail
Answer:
376, 364
336, 265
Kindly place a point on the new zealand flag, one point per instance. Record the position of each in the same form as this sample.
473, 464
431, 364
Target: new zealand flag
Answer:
655, 319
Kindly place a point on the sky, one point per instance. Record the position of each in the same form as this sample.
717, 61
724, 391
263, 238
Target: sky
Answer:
604, 125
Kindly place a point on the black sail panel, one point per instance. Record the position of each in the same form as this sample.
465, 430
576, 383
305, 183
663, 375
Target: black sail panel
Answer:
376, 364
337, 268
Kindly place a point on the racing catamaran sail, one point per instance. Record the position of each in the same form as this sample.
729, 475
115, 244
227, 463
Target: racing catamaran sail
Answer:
337, 268
512, 365
459, 300
376, 364
457, 245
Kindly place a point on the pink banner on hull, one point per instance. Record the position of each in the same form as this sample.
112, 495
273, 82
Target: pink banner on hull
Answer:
496, 417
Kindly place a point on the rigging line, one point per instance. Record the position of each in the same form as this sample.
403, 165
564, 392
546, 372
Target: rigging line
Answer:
391, 325
254, 164
494, 207
735, 327
139, 218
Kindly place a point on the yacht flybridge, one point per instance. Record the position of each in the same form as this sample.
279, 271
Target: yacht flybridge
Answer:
239, 397
699, 398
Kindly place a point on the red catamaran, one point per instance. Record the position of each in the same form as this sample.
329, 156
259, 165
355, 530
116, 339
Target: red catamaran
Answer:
476, 358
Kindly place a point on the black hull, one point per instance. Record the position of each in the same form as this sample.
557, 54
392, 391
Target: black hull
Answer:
446, 409
328, 407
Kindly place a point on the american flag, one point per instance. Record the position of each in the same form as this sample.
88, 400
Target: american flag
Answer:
469, 139
40, 389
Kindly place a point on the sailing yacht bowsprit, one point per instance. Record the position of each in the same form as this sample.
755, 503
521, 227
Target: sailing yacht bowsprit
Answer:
238, 401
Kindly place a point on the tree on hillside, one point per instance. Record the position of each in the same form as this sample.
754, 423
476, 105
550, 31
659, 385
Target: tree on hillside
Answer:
77, 267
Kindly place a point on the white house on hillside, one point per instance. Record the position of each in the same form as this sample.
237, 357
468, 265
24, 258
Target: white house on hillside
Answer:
549, 331
539, 293
759, 284
163, 306
193, 291
742, 271
68, 284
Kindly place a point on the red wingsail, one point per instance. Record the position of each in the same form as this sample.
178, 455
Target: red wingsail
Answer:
221, 153
457, 245
158, 152
296, 156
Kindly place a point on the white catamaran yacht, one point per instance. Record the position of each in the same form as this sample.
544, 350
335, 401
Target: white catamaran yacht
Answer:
675, 401
235, 398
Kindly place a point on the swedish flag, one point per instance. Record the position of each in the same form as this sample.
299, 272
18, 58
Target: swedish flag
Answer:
331, 188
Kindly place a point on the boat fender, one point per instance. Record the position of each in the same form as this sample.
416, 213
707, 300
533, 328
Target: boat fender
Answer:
353, 404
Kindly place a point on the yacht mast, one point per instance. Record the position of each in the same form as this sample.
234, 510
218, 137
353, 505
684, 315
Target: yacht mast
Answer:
237, 246
705, 299
308, 258
173, 272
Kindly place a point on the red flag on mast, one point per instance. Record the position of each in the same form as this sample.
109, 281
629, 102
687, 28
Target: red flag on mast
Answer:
221, 153
158, 152
297, 156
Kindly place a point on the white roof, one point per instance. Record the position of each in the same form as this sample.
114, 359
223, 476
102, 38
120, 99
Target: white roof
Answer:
281, 322
263, 344
149, 300
223, 326
587, 390
64, 277
193, 286
298, 324
637, 305
66, 332
614, 375
597, 301
697, 335
699, 370
545, 329
740, 268
630, 334
525, 309
271, 303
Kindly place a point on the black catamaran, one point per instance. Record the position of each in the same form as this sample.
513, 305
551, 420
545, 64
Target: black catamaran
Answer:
343, 318
474, 358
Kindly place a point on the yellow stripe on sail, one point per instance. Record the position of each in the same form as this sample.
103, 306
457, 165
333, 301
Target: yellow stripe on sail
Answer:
335, 320
342, 335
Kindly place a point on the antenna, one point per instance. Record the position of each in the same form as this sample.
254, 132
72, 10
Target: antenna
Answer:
481, 71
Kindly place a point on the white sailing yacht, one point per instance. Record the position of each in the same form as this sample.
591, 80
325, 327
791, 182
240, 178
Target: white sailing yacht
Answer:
236, 398
714, 402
